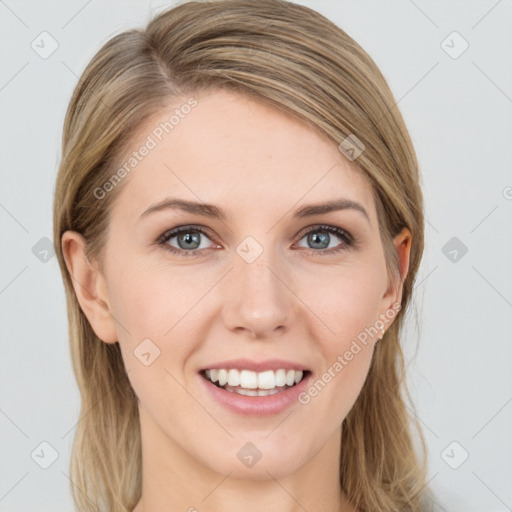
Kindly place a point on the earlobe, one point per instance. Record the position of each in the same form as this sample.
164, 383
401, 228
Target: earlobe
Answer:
89, 285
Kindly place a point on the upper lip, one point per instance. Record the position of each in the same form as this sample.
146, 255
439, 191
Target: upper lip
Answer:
256, 366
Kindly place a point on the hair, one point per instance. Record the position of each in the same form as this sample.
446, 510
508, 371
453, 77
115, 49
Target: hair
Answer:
298, 61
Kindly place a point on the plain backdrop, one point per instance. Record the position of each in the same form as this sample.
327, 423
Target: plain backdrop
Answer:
449, 65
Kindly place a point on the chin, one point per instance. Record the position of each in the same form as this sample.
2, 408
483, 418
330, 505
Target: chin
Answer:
259, 457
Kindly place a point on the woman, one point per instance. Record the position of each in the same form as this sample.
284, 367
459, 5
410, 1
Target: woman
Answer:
240, 223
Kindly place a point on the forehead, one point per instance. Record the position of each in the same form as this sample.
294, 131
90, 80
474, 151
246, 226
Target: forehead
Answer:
225, 148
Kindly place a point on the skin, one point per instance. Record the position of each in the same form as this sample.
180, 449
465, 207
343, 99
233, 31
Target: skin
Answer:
291, 303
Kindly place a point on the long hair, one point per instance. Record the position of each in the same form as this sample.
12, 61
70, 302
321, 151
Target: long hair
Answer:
296, 60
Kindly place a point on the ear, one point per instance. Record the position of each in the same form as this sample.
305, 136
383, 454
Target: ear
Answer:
402, 244
89, 285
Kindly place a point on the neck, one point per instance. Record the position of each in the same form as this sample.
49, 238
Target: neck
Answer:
173, 480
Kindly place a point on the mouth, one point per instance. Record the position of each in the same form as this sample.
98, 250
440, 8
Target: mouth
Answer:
252, 383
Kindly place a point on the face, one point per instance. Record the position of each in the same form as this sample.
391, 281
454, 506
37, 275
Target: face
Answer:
265, 297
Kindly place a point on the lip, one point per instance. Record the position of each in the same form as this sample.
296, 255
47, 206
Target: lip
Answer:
258, 406
257, 366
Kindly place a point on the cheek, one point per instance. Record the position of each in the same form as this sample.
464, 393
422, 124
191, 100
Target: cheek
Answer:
150, 302
146, 302
349, 304
150, 311
346, 300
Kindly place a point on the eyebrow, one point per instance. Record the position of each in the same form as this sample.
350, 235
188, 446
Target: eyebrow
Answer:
210, 210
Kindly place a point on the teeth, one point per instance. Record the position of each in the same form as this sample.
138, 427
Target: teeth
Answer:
248, 379
233, 378
255, 384
267, 380
253, 392
223, 377
247, 392
281, 378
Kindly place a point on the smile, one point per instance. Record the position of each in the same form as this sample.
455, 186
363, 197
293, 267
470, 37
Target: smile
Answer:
251, 383
255, 388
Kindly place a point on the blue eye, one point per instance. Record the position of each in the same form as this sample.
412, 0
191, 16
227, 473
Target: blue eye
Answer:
189, 240
321, 238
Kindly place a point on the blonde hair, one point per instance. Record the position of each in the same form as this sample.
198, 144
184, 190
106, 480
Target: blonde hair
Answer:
296, 60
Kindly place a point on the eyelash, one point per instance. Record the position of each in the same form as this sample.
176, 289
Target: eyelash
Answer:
349, 242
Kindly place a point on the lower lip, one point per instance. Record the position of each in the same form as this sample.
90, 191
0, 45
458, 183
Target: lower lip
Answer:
256, 405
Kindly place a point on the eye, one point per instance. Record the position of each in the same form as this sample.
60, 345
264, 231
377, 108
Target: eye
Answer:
321, 237
188, 240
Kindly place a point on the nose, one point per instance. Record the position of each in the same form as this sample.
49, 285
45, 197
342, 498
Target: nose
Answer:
257, 301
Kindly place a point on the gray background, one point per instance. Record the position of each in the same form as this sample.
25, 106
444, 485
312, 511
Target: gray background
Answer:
458, 110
